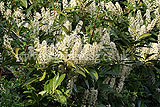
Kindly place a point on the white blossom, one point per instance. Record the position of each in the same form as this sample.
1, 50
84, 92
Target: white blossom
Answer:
67, 24
65, 3
159, 44
148, 17
2, 9
120, 11
110, 6
7, 14
73, 3
7, 44
114, 51
152, 25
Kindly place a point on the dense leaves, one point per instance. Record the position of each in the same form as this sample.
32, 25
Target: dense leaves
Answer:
61, 82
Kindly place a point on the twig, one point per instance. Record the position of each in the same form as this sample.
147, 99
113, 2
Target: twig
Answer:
94, 26
1, 72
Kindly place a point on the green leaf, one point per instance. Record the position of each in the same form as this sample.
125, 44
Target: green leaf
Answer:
29, 10
60, 12
42, 78
82, 73
62, 19
60, 79
70, 8
87, 83
53, 83
101, 15
17, 49
144, 35
83, 69
65, 30
60, 97
11, 51
94, 75
29, 81
24, 3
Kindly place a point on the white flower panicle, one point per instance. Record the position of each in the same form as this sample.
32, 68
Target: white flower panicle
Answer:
114, 51
36, 43
152, 4
139, 19
119, 9
116, 9
90, 96
105, 38
111, 7
72, 48
159, 44
142, 30
2, 9
152, 24
140, 26
19, 16
148, 17
145, 25
133, 2
65, 3
7, 14
73, 3
7, 44
151, 49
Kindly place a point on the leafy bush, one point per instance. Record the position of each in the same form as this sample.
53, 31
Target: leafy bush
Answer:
80, 53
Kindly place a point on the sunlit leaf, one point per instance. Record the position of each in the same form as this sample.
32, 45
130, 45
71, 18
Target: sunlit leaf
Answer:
42, 78
24, 3
60, 79
94, 75
144, 35
60, 12
60, 97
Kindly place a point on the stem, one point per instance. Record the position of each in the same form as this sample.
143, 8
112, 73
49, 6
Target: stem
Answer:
1, 72
27, 45
94, 27
54, 9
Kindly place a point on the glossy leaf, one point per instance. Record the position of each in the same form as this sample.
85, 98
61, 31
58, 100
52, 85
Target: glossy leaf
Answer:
60, 97
42, 78
24, 3
94, 75
144, 35
82, 73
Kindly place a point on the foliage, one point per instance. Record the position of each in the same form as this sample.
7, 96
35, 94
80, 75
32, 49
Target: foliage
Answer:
124, 74
10, 95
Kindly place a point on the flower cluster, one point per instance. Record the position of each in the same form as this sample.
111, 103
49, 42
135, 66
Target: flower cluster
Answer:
117, 82
141, 25
2, 9
116, 9
7, 44
73, 48
90, 96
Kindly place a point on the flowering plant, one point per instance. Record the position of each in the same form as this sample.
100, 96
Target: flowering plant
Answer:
81, 53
